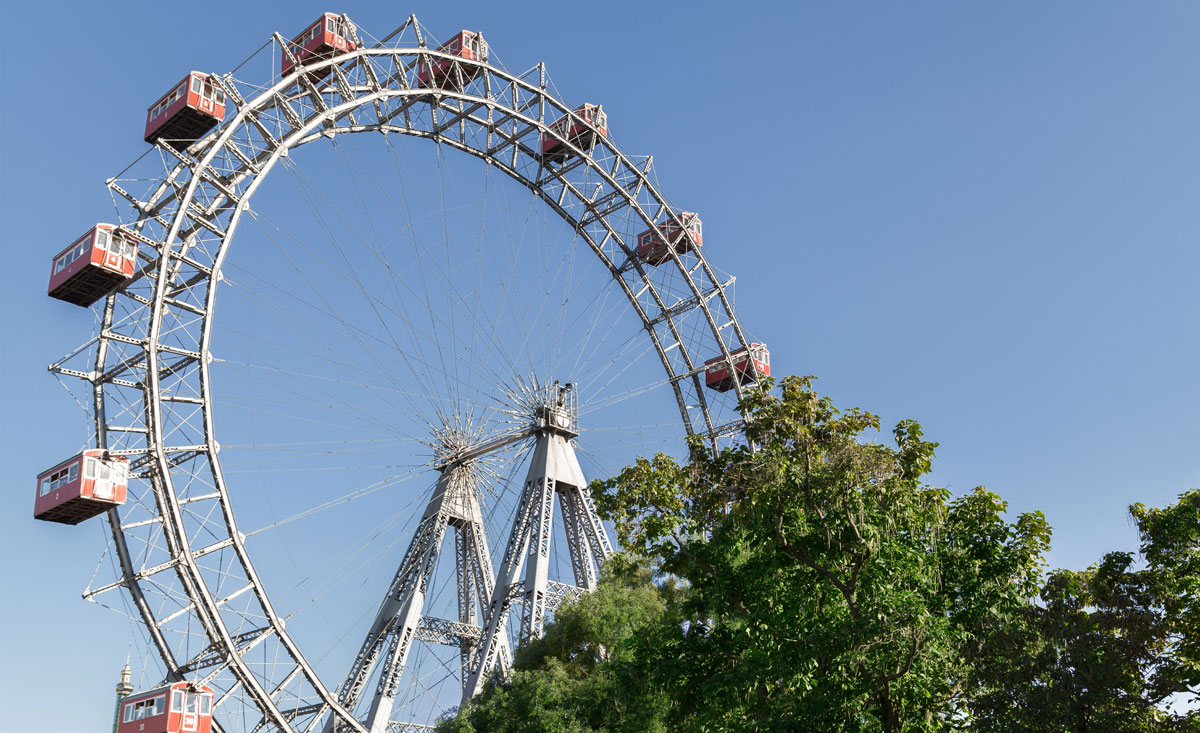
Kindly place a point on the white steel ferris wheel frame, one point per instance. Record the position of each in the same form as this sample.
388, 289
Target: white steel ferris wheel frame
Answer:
152, 352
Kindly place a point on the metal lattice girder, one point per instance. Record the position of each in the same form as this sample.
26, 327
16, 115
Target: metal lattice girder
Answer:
152, 397
213, 655
553, 470
559, 593
450, 633
398, 727
401, 620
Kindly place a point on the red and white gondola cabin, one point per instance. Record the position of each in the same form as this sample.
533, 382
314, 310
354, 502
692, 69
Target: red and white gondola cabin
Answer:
183, 116
329, 36
440, 73
580, 128
182, 707
93, 266
651, 248
748, 368
79, 488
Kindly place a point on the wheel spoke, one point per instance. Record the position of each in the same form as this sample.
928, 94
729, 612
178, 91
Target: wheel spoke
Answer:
389, 293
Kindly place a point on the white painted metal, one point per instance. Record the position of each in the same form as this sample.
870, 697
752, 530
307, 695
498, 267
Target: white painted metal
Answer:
455, 504
179, 548
553, 471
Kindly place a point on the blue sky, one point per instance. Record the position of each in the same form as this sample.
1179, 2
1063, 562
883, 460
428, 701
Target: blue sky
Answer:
980, 217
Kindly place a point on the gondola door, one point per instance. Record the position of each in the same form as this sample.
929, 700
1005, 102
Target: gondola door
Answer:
111, 248
191, 716
203, 90
102, 488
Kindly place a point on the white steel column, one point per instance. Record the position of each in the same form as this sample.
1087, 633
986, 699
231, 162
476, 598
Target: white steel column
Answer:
454, 503
553, 470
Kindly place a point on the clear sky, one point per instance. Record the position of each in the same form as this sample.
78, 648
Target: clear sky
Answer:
982, 217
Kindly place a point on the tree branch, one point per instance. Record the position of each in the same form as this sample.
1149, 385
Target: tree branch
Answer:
711, 571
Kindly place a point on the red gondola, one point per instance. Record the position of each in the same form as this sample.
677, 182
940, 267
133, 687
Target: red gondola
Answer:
748, 367
182, 707
183, 116
79, 488
652, 250
329, 36
440, 73
95, 265
581, 128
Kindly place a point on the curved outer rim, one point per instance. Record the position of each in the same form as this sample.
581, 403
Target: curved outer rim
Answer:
324, 123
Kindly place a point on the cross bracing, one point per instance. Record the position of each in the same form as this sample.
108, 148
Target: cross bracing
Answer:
177, 547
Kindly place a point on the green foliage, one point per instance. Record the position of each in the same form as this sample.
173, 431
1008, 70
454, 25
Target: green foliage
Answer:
1171, 547
822, 585
581, 676
1107, 646
839, 589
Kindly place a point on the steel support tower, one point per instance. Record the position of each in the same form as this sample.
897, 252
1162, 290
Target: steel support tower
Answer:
481, 630
553, 471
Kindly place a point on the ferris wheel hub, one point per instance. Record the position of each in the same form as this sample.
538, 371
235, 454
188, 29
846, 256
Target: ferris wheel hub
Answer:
549, 409
151, 360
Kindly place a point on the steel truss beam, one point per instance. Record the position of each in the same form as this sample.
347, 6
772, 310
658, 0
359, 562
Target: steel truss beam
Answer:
151, 366
400, 619
553, 471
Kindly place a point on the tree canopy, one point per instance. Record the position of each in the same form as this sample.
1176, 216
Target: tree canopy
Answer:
809, 579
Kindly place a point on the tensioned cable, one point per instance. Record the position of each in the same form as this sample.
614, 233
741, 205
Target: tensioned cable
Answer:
396, 312
472, 336
378, 486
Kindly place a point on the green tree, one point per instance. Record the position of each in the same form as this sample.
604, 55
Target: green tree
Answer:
834, 589
581, 675
824, 586
1170, 545
1108, 646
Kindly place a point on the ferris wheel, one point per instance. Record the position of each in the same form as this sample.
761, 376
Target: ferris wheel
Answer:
444, 317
